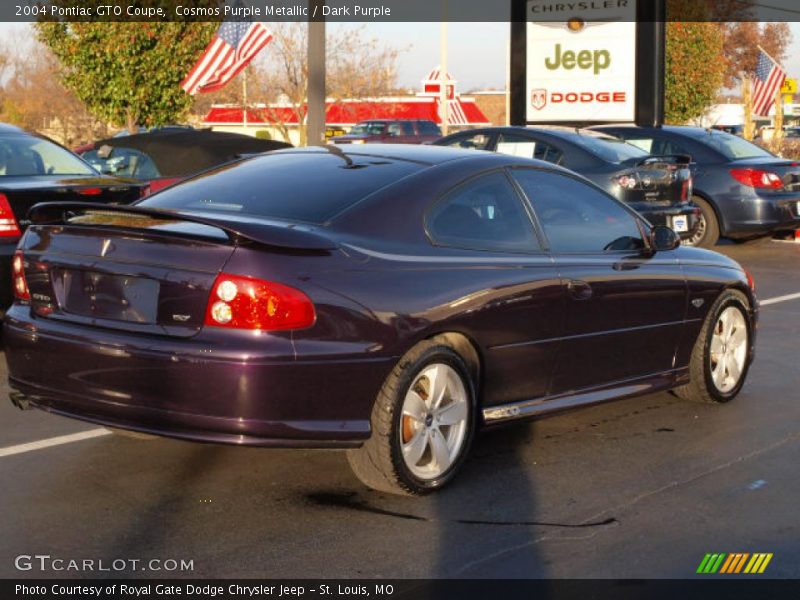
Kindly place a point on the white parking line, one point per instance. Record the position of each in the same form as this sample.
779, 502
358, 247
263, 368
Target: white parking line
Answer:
93, 433
54, 441
777, 299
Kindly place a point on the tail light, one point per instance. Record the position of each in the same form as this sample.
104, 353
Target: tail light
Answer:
144, 191
686, 190
627, 181
758, 178
8, 223
238, 302
18, 277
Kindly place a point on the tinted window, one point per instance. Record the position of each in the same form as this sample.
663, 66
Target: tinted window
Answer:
473, 141
368, 128
297, 186
606, 147
407, 127
27, 155
123, 162
428, 128
577, 217
483, 214
527, 147
730, 146
658, 147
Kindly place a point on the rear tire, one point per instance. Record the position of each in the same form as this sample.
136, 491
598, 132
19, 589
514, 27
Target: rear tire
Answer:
707, 233
423, 422
721, 355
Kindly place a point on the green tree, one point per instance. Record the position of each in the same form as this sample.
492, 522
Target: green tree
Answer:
695, 61
128, 74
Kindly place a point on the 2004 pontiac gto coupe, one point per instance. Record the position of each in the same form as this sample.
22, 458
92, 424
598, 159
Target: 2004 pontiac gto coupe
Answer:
389, 300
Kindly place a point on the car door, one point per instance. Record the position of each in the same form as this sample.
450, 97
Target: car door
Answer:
509, 290
626, 305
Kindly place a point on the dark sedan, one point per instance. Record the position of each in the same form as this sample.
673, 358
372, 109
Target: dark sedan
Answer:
743, 191
389, 300
163, 157
657, 187
35, 169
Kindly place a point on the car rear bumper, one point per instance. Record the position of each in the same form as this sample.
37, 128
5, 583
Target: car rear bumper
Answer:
761, 215
189, 389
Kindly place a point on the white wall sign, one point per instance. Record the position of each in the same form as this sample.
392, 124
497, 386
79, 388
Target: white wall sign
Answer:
584, 67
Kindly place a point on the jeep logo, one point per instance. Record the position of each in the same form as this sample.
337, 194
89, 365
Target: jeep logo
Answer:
596, 60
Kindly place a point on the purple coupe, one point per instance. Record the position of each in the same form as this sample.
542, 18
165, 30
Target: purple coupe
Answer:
386, 299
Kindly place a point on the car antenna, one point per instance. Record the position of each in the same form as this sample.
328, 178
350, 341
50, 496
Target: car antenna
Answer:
338, 152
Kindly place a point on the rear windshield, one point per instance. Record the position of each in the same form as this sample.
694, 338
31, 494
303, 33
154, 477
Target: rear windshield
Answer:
730, 146
606, 147
297, 186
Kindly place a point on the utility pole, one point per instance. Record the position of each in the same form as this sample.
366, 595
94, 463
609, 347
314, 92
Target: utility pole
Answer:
443, 78
244, 97
315, 117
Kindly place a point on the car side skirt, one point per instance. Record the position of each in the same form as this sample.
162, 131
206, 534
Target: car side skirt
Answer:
493, 415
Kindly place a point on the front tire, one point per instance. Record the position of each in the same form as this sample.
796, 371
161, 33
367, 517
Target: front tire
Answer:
721, 355
423, 422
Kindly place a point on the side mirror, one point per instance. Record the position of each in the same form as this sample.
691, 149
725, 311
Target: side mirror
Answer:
663, 238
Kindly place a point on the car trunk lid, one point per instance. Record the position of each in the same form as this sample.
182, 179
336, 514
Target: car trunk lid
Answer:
139, 270
661, 180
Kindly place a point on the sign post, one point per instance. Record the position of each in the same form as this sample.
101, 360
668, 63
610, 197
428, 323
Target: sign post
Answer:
583, 63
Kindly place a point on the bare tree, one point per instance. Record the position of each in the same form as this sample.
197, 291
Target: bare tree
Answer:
357, 67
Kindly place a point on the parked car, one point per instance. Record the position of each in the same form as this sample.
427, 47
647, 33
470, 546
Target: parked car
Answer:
390, 131
744, 191
166, 157
35, 169
388, 300
659, 188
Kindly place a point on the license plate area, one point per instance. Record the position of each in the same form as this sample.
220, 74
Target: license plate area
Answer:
106, 296
680, 224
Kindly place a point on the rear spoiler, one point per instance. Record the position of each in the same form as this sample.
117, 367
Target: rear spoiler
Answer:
672, 159
269, 233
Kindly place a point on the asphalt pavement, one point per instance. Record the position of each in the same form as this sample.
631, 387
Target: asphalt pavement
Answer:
641, 488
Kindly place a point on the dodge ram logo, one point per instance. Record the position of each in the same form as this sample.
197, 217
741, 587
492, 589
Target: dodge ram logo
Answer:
539, 98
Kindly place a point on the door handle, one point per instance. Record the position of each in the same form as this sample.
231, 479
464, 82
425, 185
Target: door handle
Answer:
579, 290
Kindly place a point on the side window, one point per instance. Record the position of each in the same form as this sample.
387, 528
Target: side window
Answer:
527, 147
577, 217
122, 162
482, 214
395, 130
473, 141
407, 127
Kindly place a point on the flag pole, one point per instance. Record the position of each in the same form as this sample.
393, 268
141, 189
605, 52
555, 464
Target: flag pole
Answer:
244, 96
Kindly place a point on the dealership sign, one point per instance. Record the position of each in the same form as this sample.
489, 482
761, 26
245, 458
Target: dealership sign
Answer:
583, 62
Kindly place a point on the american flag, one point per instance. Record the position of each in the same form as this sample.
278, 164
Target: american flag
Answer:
234, 45
769, 78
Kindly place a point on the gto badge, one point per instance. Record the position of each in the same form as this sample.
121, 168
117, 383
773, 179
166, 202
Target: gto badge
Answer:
698, 302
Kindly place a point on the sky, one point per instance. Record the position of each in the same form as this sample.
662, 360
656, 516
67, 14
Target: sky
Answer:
477, 52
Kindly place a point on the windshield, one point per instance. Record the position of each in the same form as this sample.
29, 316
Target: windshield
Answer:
730, 146
368, 128
27, 156
608, 148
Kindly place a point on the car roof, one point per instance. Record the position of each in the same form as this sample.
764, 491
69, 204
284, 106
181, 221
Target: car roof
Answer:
6, 128
422, 154
560, 131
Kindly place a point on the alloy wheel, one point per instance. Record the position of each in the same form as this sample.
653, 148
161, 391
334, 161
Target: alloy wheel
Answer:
433, 425
728, 349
